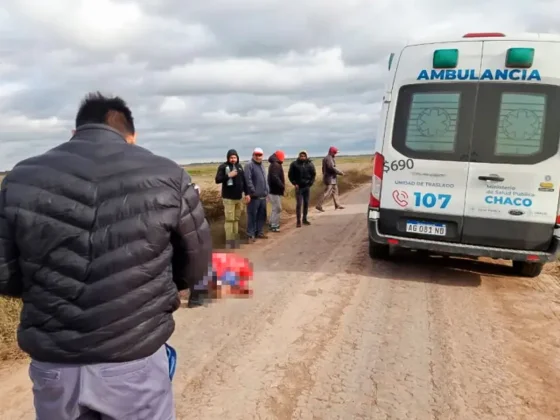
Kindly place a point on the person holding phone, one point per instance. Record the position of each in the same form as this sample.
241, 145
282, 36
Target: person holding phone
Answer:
231, 176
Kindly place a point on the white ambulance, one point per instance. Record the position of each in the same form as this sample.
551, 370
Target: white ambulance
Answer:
466, 160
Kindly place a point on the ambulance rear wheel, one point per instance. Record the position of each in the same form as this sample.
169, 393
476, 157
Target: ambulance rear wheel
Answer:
527, 269
378, 251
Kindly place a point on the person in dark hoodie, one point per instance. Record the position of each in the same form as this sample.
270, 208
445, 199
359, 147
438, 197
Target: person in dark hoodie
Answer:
302, 175
230, 174
276, 188
330, 175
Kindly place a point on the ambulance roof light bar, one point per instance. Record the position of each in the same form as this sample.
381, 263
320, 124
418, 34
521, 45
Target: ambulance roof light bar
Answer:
484, 35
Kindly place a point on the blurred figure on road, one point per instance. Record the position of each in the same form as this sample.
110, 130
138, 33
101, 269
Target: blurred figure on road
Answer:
302, 175
276, 187
257, 187
330, 174
234, 192
97, 236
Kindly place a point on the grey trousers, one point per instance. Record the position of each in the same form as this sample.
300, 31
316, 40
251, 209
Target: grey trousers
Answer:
276, 204
139, 390
331, 189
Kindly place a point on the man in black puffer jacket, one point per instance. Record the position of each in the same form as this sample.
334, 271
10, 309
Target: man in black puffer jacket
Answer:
97, 236
302, 175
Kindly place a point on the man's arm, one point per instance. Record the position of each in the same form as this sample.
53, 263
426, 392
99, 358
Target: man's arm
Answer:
329, 166
11, 283
313, 173
249, 179
291, 174
244, 181
221, 176
191, 239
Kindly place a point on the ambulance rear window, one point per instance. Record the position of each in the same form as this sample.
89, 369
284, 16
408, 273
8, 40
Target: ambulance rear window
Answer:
516, 123
478, 122
432, 122
520, 126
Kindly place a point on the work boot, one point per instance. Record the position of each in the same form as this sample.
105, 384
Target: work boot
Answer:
251, 239
262, 236
339, 208
306, 222
195, 300
320, 208
298, 224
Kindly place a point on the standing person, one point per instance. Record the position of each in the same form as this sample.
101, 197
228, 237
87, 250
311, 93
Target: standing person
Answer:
257, 187
302, 175
97, 235
230, 174
330, 174
276, 187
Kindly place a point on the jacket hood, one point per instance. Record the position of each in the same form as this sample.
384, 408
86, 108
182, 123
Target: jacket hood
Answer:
304, 152
232, 152
273, 158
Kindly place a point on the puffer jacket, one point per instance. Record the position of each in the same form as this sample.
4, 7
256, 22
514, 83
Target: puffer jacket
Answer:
302, 172
97, 236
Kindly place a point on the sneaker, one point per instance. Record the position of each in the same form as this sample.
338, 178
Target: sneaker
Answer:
320, 208
298, 224
306, 222
275, 229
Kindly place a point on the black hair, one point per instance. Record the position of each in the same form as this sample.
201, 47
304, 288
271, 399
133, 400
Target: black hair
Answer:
113, 111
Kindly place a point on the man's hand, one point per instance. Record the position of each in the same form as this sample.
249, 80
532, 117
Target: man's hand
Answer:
232, 173
296, 187
247, 199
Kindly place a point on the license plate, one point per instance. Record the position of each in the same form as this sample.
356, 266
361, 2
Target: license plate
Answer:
436, 229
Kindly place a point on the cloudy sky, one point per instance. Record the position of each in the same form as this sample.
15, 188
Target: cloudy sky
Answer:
205, 75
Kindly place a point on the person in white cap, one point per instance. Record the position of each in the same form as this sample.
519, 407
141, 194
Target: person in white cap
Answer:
257, 187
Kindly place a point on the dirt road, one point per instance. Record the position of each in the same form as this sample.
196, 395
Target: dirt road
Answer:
331, 335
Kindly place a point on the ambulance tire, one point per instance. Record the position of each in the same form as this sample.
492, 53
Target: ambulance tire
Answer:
378, 251
527, 269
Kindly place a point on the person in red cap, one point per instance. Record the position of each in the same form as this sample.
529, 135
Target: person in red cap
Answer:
330, 174
276, 187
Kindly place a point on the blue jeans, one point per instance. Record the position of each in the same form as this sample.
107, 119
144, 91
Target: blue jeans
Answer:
256, 217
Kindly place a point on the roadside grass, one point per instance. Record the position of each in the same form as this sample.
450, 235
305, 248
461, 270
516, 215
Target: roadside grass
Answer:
202, 174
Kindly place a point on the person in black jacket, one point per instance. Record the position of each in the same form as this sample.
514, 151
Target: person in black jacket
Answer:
97, 236
230, 175
276, 187
302, 175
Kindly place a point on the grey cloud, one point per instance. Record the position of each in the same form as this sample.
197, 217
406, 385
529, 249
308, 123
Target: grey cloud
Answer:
264, 83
